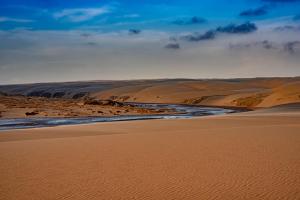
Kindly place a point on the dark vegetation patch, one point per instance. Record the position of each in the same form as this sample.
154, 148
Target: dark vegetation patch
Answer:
36, 93
195, 100
113, 97
79, 95
46, 94
250, 101
119, 98
124, 98
40, 93
3, 94
107, 102
58, 94
199, 100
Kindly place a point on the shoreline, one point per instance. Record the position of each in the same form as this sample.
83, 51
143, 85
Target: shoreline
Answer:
242, 109
178, 111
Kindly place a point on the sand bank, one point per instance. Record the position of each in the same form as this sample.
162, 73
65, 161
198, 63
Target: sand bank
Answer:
238, 156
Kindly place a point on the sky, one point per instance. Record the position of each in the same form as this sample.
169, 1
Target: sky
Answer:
63, 40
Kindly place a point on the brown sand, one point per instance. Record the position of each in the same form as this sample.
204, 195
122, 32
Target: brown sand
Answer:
251, 93
240, 156
27, 107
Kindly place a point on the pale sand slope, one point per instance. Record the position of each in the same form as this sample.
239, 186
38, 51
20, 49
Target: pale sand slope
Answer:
251, 93
240, 156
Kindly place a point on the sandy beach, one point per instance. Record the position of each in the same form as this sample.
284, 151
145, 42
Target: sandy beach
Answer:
253, 155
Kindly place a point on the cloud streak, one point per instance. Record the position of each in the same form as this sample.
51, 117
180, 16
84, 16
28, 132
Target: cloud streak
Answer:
254, 12
287, 28
80, 14
172, 46
17, 20
244, 28
209, 35
134, 31
190, 21
247, 27
292, 47
266, 44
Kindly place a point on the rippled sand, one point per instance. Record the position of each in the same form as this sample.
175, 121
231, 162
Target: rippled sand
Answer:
239, 156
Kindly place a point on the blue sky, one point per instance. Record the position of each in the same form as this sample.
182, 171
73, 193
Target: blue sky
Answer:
117, 15
144, 39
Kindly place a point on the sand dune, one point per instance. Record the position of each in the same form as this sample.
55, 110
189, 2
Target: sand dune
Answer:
250, 155
284, 94
250, 93
238, 156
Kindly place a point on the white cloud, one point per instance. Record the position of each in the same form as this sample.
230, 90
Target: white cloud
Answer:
81, 14
9, 19
39, 56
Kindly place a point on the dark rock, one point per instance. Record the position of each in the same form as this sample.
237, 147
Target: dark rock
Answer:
31, 113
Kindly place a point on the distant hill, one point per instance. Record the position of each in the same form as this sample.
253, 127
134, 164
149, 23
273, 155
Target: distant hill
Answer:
251, 93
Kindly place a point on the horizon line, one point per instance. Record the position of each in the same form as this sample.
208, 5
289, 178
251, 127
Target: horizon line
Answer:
147, 79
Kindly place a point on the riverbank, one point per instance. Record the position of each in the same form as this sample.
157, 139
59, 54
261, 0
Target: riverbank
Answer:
19, 106
155, 111
250, 155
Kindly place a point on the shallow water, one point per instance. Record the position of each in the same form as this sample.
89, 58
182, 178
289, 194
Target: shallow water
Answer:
182, 111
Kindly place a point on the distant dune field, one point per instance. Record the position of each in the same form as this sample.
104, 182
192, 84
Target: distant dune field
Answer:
250, 93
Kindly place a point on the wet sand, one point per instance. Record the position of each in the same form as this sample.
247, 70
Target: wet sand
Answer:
238, 156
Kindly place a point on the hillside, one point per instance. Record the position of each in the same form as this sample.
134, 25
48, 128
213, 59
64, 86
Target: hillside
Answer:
250, 93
